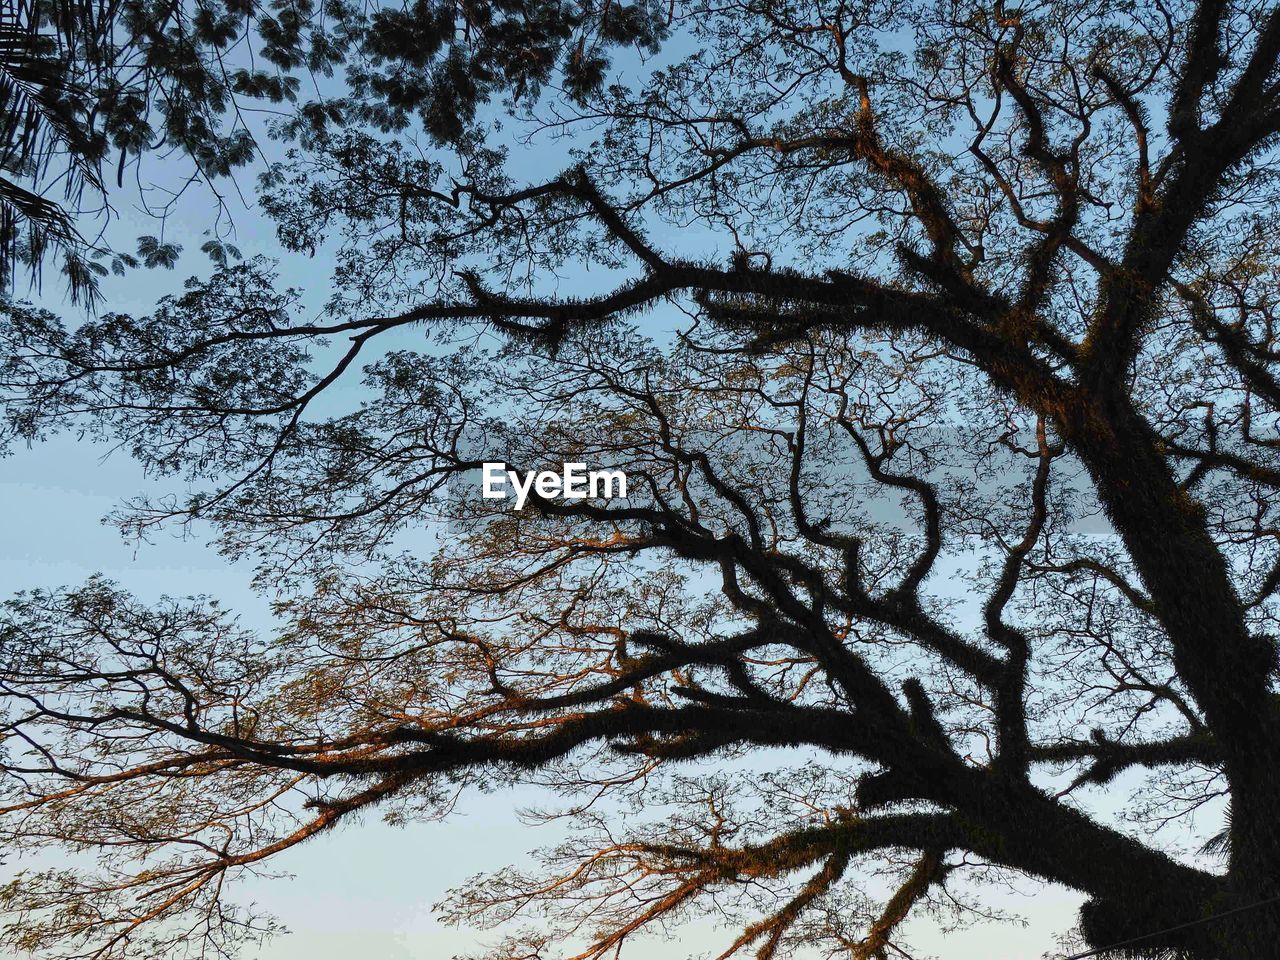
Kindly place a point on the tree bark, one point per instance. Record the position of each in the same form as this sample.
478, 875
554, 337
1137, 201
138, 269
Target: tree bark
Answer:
1224, 665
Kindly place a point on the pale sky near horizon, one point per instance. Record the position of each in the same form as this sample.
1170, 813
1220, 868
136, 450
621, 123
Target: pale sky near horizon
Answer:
367, 889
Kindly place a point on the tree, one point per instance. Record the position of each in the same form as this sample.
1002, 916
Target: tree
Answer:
950, 517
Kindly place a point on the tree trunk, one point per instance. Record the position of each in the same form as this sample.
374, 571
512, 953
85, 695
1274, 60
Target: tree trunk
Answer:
1225, 667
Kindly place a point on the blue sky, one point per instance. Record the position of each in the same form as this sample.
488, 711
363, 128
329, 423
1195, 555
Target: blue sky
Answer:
366, 890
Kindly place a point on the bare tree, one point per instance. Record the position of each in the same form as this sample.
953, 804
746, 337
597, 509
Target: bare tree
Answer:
951, 509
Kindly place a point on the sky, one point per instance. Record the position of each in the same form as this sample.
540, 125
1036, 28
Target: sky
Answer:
365, 890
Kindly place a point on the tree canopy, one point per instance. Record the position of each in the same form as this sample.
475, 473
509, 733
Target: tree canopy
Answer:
176, 95
937, 342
